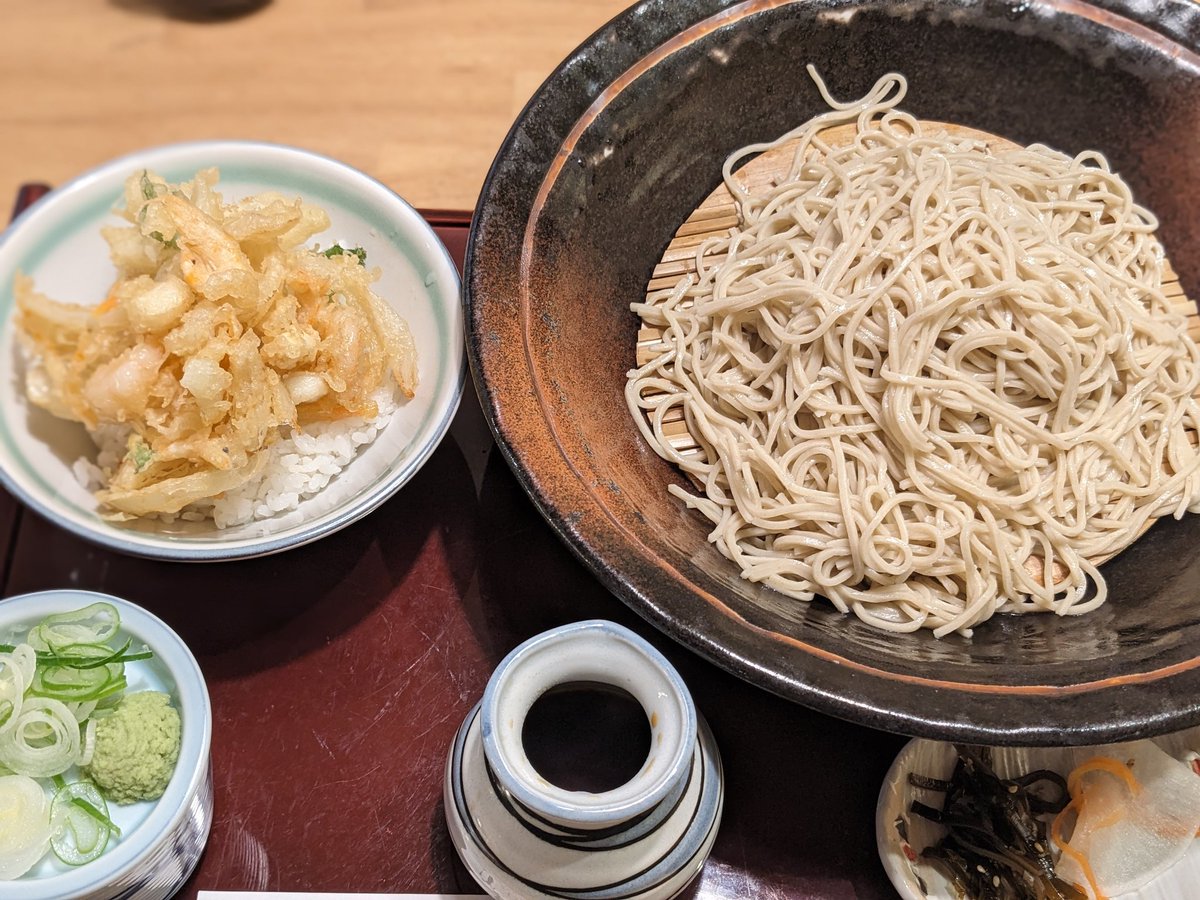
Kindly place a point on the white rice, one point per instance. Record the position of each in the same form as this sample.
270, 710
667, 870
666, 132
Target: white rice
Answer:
298, 466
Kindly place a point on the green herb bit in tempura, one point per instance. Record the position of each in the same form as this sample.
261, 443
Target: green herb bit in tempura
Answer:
339, 250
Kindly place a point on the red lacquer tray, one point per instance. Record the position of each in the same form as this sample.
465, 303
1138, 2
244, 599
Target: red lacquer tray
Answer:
340, 671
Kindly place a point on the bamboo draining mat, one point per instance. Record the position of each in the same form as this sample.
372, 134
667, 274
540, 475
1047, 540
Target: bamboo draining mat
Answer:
718, 213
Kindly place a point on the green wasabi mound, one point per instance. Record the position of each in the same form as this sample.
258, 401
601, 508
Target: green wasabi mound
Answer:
136, 748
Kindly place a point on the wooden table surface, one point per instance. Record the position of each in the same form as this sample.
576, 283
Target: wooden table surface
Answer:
392, 626
418, 93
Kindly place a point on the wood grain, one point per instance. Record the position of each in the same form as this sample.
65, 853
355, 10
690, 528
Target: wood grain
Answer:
418, 93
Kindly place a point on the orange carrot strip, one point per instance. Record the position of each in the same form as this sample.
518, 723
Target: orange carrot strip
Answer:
1102, 764
1056, 835
1108, 821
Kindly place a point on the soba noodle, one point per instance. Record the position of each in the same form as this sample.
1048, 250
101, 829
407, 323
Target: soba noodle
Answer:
928, 381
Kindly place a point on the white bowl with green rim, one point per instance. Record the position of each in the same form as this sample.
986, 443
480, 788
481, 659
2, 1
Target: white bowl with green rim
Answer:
57, 242
161, 840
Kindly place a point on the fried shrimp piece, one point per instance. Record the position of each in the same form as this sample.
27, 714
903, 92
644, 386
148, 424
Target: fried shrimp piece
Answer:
116, 391
204, 247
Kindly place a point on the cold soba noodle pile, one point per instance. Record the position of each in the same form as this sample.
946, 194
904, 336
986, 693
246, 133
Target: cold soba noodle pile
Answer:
928, 381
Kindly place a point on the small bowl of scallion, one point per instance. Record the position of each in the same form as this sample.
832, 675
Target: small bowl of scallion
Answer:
105, 729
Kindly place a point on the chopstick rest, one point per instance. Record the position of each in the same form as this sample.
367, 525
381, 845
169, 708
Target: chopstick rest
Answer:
524, 837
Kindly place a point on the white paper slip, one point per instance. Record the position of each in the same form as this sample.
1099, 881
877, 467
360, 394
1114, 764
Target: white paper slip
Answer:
296, 895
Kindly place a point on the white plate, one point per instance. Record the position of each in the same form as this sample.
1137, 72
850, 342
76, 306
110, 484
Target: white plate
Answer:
936, 759
58, 242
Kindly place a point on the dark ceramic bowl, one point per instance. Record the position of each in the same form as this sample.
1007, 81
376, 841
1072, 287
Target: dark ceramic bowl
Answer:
615, 150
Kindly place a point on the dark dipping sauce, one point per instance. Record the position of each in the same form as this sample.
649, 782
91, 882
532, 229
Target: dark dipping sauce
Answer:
586, 736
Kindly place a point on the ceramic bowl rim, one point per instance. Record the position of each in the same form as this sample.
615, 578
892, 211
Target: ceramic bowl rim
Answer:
609, 806
407, 220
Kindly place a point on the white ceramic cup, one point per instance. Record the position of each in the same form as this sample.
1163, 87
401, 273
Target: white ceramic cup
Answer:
523, 837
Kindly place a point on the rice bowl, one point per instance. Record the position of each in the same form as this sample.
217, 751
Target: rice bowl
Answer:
329, 477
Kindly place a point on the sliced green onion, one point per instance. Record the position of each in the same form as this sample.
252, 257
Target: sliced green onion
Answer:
94, 624
25, 826
88, 751
44, 740
69, 657
77, 685
82, 824
82, 655
17, 669
67, 684
83, 709
100, 814
91, 656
